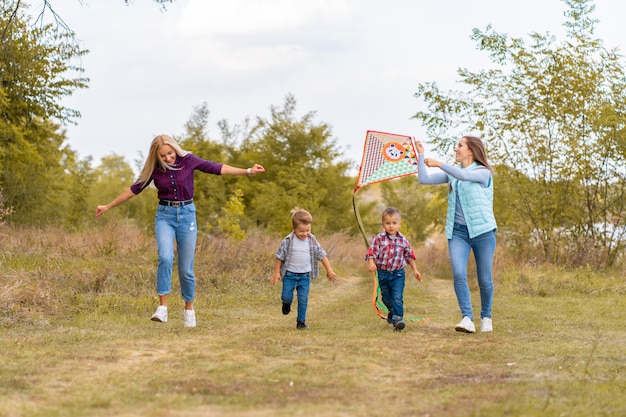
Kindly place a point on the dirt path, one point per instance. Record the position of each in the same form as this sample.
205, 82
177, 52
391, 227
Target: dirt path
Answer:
431, 299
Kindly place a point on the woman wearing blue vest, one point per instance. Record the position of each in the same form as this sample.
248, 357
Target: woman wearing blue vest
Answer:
470, 223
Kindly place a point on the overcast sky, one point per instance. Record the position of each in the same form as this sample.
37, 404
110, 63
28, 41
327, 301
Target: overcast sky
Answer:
356, 63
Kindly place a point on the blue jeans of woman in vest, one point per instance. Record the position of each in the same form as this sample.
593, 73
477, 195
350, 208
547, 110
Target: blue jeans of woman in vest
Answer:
484, 247
176, 224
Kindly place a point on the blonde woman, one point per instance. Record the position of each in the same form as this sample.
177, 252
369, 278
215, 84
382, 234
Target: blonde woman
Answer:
172, 170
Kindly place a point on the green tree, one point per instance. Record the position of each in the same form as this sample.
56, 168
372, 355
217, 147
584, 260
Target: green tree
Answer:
74, 196
37, 71
211, 193
229, 221
552, 117
303, 169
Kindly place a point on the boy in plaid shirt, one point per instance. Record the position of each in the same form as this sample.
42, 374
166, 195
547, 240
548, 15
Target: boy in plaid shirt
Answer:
388, 254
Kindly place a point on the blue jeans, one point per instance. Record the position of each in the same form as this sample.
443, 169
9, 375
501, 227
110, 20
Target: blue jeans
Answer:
484, 247
391, 285
176, 223
301, 283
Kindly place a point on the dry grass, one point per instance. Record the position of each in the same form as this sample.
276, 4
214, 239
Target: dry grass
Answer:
76, 339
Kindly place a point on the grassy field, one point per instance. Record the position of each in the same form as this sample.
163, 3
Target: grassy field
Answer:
76, 339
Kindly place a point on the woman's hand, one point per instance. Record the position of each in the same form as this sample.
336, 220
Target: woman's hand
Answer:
256, 169
432, 163
100, 210
419, 147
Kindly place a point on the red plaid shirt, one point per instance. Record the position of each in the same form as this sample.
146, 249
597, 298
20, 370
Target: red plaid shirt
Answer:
390, 253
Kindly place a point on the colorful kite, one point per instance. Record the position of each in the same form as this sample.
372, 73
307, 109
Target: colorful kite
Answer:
385, 156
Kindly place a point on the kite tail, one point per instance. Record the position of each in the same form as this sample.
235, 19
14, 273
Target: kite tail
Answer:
379, 307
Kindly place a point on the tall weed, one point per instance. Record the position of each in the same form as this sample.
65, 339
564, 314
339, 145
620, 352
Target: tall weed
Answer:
50, 271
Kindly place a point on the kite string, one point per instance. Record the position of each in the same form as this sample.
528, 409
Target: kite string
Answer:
379, 307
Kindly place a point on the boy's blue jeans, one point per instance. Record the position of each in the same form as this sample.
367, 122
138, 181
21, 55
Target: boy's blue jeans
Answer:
391, 285
301, 283
176, 223
484, 246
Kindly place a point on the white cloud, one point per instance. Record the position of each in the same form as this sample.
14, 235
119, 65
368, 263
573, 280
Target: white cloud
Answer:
249, 36
221, 58
244, 17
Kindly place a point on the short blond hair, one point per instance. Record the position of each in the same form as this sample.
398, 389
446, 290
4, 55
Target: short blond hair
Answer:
300, 216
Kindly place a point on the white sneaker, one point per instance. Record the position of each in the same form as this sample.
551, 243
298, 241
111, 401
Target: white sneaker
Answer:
160, 314
190, 318
486, 325
466, 325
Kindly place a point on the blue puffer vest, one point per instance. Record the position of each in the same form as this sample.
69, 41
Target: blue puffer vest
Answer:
477, 204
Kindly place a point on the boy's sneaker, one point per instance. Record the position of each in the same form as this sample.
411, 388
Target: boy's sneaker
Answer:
190, 318
399, 325
286, 308
160, 314
466, 325
486, 325
302, 326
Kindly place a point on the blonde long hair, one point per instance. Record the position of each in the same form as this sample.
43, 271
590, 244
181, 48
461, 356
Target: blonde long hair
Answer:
154, 159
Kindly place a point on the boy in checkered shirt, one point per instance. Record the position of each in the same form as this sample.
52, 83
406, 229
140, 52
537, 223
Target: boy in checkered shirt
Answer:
388, 254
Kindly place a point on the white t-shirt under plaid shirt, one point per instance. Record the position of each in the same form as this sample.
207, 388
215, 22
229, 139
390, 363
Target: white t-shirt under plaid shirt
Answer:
284, 253
300, 259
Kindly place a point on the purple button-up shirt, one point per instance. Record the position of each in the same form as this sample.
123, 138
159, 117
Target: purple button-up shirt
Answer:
177, 184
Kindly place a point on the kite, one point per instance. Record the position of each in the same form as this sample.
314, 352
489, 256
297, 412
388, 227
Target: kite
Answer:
385, 156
